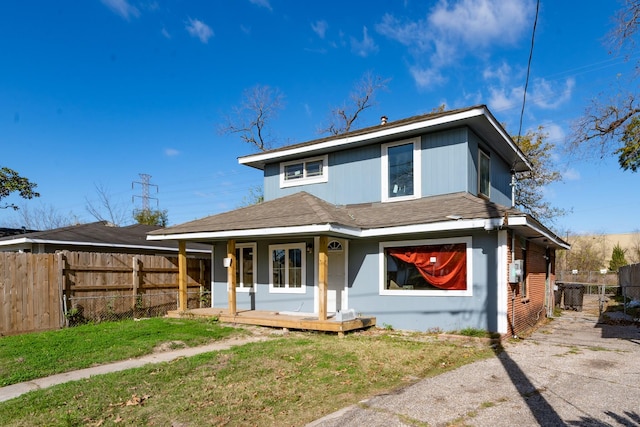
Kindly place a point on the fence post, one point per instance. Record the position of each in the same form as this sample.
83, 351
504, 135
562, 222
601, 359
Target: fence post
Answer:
135, 283
62, 285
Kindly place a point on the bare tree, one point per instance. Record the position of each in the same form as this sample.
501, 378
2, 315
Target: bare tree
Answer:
342, 119
42, 217
611, 125
252, 118
105, 209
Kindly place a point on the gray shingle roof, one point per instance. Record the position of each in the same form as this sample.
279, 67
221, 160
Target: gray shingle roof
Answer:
303, 209
100, 233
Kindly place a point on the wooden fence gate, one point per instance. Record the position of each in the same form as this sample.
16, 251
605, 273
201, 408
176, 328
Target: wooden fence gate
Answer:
48, 291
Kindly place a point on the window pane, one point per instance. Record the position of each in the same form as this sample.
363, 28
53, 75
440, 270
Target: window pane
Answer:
278, 261
484, 181
293, 171
314, 168
247, 267
295, 268
400, 170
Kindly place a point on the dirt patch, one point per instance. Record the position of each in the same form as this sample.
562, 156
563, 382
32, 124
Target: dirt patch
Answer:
168, 346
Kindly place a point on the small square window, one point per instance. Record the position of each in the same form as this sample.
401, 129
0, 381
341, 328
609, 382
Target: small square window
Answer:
294, 171
314, 168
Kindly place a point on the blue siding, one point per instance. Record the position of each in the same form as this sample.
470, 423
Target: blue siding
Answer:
449, 165
354, 177
424, 312
500, 172
262, 299
444, 166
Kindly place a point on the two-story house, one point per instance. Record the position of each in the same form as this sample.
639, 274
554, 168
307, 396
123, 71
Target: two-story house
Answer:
410, 222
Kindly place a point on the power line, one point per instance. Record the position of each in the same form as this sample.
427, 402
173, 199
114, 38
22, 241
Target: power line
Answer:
526, 82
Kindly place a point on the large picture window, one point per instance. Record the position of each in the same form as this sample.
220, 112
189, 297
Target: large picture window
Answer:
401, 170
287, 268
246, 266
430, 267
307, 171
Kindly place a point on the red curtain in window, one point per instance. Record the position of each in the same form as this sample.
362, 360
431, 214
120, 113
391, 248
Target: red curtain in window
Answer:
449, 271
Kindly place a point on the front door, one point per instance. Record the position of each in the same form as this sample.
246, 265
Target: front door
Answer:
336, 293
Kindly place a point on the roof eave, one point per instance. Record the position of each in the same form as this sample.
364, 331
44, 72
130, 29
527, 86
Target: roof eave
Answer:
259, 160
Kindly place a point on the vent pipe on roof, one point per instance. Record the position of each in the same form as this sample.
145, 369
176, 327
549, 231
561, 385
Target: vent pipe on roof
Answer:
383, 120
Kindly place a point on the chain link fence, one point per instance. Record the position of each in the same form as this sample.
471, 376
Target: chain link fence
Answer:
121, 306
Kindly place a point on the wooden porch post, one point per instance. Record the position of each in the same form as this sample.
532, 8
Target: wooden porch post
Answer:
182, 275
231, 277
323, 273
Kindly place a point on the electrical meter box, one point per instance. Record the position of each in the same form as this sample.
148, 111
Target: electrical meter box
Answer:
515, 271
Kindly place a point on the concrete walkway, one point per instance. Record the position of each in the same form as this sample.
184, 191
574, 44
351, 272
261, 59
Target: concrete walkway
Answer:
15, 390
571, 372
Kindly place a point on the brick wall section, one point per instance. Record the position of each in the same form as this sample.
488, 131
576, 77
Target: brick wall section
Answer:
525, 311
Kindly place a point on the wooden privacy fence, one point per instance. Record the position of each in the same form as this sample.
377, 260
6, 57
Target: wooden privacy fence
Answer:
49, 291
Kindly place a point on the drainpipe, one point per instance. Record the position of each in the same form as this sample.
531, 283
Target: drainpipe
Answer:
513, 188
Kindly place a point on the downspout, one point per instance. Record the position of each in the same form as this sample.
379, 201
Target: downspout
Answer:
513, 188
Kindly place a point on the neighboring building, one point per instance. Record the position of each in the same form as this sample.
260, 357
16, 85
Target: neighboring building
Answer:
93, 237
409, 221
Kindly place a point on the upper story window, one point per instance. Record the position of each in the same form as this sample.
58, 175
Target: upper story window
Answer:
401, 173
307, 171
484, 174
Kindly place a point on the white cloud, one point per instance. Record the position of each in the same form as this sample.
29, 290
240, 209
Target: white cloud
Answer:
245, 29
365, 47
199, 29
501, 99
455, 29
501, 73
262, 3
122, 8
320, 28
548, 96
555, 133
171, 152
165, 33
427, 77
481, 23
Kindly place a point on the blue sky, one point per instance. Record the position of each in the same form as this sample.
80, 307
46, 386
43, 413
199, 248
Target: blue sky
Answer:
96, 92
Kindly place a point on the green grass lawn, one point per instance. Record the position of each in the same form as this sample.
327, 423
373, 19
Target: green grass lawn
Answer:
287, 380
29, 356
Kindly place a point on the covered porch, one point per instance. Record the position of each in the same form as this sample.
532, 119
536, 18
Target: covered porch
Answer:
318, 321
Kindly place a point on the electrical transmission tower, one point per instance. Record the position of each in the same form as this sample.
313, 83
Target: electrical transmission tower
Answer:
144, 183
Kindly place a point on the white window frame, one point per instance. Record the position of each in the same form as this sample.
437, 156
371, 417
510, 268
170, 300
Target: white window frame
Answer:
481, 154
241, 286
417, 170
419, 292
324, 177
286, 289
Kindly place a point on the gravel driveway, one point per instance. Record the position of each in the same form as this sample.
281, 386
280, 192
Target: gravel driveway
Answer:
573, 371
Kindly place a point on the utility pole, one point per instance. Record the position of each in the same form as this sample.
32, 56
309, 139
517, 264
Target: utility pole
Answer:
144, 183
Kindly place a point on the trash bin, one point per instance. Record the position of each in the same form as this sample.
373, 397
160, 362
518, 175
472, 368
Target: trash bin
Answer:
573, 296
557, 294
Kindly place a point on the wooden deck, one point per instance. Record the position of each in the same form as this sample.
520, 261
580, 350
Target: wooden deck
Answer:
277, 320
